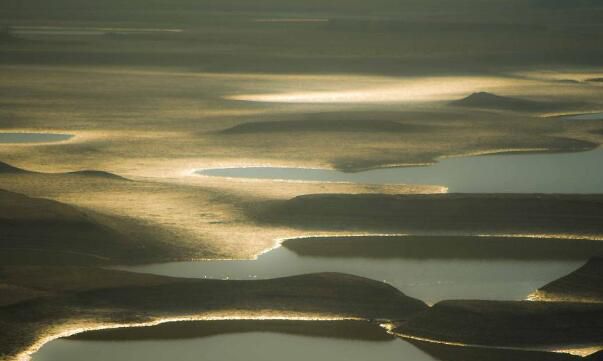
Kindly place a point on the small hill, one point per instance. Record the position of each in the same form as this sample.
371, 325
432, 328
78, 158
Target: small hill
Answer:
98, 174
484, 100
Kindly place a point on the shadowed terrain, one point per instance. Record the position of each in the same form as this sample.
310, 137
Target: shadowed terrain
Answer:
548, 214
42, 231
582, 285
597, 356
458, 247
509, 323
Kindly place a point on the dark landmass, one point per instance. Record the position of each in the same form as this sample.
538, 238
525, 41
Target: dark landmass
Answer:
109, 297
509, 323
353, 330
98, 173
595, 80
583, 285
597, 356
474, 213
319, 125
465, 353
328, 293
484, 100
7, 168
459, 247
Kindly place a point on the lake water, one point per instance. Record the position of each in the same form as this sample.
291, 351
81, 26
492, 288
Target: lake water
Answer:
13, 138
430, 280
579, 172
245, 346
585, 116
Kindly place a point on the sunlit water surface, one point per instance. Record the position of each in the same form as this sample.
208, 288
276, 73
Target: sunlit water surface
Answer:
430, 280
260, 346
579, 172
33, 137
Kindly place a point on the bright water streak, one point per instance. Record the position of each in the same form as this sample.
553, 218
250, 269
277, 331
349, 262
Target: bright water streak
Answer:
505, 173
430, 280
232, 347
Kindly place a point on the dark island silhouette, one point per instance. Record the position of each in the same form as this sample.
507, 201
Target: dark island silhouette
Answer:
485, 100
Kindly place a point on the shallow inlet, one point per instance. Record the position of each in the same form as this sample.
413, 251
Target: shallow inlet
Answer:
430, 280
254, 345
579, 172
14, 138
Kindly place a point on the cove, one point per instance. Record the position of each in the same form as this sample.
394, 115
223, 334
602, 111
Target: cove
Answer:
579, 172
